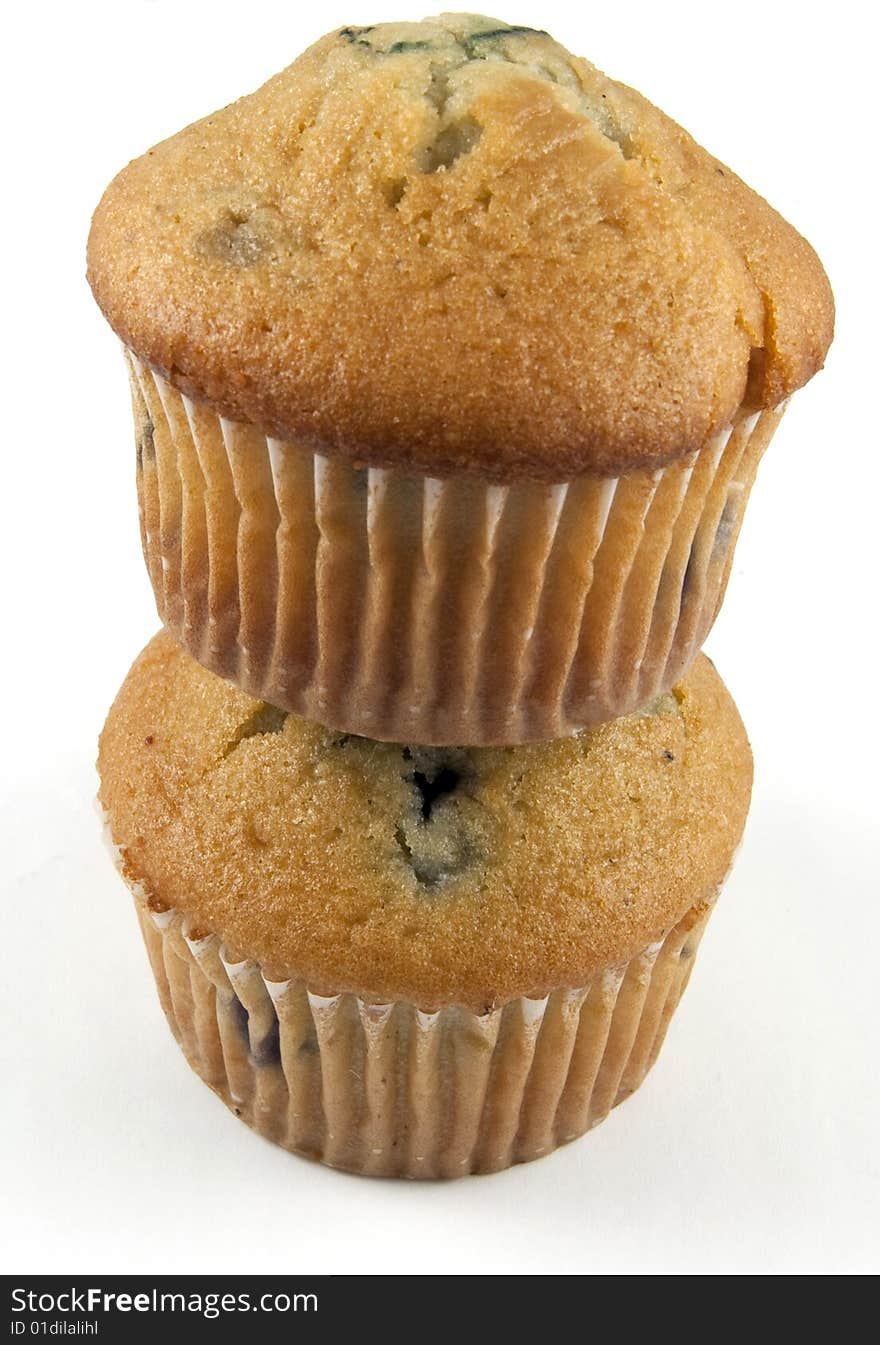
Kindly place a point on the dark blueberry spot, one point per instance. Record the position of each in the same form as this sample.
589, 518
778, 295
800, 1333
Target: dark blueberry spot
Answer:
667, 755
355, 35
686, 952
149, 740
437, 835
268, 1051
434, 787
514, 30
397, 47
474, 45
309, 1044
240, 1017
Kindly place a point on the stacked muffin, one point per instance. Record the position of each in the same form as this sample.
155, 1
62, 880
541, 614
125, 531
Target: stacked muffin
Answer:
452, 365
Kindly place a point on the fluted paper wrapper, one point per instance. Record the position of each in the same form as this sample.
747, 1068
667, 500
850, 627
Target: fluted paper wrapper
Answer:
389, 1090
397, 606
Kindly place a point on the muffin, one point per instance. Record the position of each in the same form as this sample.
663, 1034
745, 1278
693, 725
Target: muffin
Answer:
408, 961
452, 362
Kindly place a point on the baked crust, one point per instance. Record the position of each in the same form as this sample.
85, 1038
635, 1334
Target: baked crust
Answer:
437, 876
454, 247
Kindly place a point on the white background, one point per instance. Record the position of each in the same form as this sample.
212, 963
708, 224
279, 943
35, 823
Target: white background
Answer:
753, 1147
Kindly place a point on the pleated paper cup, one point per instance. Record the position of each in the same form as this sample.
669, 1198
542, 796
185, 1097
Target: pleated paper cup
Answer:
412, 609
391, 1090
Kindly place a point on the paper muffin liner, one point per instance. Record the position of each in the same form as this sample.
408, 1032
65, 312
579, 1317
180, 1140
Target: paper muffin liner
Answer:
390, 1090
398, 606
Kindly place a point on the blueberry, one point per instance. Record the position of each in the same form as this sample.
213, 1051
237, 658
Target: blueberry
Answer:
268, 1051
434, 787
397, 47
240, 1017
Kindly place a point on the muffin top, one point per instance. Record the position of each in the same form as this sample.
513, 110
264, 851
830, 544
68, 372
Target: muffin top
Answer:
436, 875
455, 247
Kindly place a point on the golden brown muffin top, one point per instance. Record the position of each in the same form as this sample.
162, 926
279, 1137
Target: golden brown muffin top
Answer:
435, 875
453, 246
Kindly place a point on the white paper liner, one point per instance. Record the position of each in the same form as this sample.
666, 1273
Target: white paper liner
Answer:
401, 607
390, 1090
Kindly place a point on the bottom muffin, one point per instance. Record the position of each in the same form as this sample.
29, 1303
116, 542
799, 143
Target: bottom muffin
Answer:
408, 961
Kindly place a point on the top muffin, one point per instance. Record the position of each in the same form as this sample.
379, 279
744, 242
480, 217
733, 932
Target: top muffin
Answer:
453, 246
